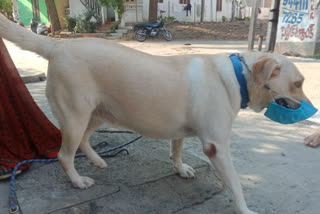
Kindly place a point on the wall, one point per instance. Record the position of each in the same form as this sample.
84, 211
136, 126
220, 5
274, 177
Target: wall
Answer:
26, 15
298, 27
76, 8
175, 9
145, 10
25, 11
61, 6
44, 17
226, 11
267, 3
134, 12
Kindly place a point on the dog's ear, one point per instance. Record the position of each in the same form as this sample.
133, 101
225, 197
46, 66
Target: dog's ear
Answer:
265, 69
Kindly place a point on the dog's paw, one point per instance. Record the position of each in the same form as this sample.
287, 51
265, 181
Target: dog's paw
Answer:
83, 182
99, 162
186, 171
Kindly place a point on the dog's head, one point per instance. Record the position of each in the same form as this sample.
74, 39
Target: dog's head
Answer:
275, 79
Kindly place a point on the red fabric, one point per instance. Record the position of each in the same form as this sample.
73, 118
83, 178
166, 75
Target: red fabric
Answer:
25, 132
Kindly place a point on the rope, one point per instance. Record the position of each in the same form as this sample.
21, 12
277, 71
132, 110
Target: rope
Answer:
13, 202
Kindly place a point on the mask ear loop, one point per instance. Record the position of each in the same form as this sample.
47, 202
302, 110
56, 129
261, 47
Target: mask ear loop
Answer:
270, 90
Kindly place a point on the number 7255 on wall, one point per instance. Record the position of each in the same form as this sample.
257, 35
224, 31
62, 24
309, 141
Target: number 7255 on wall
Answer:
292, 17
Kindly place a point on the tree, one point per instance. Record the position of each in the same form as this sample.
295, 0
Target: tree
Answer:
6, 7
53, 14
117, 6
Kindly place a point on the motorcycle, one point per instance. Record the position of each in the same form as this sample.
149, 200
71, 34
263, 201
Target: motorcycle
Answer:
153, 29
39, 28
42, 29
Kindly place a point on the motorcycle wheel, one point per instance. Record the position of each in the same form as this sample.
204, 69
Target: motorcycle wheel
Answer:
166, 35
139, 37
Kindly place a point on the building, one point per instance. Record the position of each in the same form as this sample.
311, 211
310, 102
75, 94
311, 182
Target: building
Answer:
200, 11
29, 9
149, 10
37, 9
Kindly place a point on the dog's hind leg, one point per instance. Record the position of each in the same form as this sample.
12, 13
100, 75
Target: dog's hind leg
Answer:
85, 146
72, 130
184, 170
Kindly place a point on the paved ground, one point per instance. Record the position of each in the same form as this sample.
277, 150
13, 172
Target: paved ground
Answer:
278, 173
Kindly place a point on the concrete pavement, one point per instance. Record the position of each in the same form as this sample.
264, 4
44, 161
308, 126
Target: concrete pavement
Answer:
278, 173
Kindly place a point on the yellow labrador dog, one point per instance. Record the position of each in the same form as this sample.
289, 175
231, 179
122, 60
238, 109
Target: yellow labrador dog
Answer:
90, 83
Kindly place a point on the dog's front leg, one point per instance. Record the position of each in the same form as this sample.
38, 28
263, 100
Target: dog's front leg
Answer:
219, 155
184, 170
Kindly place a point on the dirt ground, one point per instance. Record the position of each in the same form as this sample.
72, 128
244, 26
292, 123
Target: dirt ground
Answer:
236, 30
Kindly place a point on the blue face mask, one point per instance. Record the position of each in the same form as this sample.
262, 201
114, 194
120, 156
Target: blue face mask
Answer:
285, 115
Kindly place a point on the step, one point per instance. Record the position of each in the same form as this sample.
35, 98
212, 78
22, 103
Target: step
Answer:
116, 34
112, 37
102, 31
127, 27
122, 31
104, 28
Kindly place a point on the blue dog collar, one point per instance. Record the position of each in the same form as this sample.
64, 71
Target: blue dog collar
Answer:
237, 65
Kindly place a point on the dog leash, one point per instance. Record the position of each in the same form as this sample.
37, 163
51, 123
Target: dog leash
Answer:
13, 201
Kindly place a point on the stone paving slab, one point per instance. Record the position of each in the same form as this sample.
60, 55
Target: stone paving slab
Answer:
169, 194
141, 182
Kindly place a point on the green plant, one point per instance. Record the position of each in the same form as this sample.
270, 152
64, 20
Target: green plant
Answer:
316, 55
84, 23
168, 19
6, 6
247, 18
224, 19
237, 18
115, 25
111, 30
71, 23
117, 6
88, 24
79, 27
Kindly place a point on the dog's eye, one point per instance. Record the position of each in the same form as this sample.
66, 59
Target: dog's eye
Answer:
298, 84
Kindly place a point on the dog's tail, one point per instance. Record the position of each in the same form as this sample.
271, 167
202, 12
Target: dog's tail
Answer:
26, 39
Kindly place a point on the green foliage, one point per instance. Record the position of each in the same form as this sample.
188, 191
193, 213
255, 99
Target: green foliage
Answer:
115, 25
168, 19
111, 30
117, 5
71, 23
317, 56
6, 6
241, 19
224, 19
83, 23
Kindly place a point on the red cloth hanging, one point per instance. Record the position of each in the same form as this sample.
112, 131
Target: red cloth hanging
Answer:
25, 132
